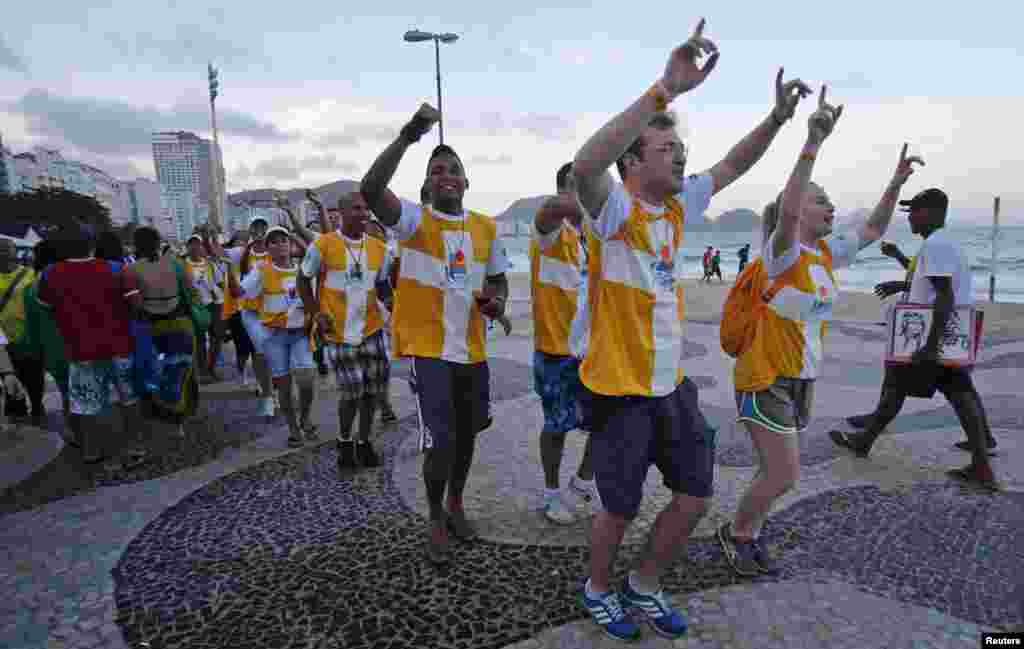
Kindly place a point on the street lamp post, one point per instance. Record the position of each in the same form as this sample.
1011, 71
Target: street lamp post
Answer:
417, 36
215, 162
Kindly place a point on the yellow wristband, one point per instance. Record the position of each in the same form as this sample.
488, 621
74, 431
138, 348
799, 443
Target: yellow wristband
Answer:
660, 96
809, 157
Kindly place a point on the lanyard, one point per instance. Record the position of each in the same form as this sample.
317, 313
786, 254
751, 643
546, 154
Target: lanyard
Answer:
362, 249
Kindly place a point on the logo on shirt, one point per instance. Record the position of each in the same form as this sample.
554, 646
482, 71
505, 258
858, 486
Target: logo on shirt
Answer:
664, 269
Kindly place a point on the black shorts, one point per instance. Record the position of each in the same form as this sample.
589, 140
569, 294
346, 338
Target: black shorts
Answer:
454, 399
628, 434
243, 345
921, 380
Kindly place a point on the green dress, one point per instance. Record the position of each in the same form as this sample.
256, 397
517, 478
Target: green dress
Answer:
42, 339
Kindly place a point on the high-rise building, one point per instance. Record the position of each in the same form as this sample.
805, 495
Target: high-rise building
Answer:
46, 167
183, 162
6, 169
143, 201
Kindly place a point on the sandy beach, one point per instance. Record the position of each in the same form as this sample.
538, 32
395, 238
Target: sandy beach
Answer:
704, 303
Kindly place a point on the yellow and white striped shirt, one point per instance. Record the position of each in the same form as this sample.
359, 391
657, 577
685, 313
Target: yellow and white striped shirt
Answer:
556, 275
349, 270
635, 297
444, 259
789, 340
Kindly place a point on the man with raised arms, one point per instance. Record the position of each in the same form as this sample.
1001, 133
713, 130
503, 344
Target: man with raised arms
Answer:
451, 259
641, 406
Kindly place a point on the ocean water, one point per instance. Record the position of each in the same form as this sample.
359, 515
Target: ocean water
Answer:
869, 269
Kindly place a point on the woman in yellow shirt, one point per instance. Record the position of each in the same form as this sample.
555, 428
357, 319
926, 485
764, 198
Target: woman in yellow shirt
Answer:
775, 375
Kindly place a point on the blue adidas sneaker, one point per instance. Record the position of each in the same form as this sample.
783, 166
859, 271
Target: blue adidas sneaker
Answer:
665, 620
608, 614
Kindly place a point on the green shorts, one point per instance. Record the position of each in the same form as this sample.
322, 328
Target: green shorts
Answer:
783, 407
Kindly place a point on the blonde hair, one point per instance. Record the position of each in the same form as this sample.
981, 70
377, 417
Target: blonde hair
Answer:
770, 219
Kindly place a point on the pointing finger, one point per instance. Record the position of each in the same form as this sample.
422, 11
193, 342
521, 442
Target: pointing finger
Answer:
821, 97
903, 152
778, 79
700, 29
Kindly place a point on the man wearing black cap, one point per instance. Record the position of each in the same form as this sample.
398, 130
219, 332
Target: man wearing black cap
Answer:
452, 275
942, 278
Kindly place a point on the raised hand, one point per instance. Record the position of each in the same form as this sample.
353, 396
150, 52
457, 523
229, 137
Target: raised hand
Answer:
421, 123
787, 96
682, 73
885, 289
821, 124
905, 167
281, 200
890, 249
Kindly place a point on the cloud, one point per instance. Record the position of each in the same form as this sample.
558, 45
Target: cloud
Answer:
354, 134
288, 169
503, 159
10, 60
545, 126
190, 44
328, 162
110, 127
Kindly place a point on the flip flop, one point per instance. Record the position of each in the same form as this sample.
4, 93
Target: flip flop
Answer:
966, 477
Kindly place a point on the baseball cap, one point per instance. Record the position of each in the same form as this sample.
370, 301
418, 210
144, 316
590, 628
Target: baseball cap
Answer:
256, 218
193, 236
933, 197
278, 228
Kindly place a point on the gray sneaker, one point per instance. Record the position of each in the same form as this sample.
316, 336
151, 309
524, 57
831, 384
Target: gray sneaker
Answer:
741, 555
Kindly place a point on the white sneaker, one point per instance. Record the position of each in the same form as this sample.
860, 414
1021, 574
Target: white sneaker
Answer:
556, 512
245, 380
585, 491
267, 407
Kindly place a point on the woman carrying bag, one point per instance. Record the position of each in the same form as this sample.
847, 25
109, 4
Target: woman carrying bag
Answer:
166, 318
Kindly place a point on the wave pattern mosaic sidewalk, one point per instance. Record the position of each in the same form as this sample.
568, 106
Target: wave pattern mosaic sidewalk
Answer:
284, 552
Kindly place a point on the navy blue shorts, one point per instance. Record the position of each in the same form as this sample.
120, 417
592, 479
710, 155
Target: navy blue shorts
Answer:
454, 399
557, 382
628, 434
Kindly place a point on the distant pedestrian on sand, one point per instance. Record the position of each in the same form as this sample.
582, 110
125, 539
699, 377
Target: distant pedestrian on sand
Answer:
744, 255
716, 266
707, 264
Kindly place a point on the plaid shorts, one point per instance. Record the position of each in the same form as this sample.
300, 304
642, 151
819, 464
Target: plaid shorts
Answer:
362, 370
93, 386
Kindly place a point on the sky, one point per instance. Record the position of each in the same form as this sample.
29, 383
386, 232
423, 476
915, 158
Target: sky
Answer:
311, 91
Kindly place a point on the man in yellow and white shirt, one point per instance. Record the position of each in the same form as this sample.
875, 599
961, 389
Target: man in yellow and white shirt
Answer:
642, 408
207, 285
253, 256
347, 265
452, 274
558, 272
286, 342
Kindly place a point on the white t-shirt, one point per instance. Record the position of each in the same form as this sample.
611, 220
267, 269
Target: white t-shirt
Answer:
941, 256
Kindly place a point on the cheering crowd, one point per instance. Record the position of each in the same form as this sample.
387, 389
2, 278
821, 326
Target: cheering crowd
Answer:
608, 328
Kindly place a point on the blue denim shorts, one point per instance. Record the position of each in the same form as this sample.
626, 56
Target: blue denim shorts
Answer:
628, 434
556, 380
287, 350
